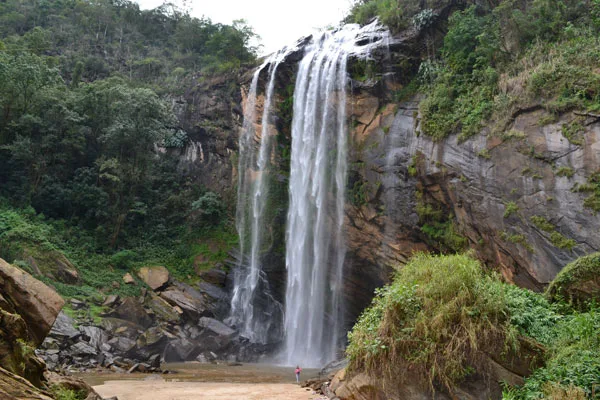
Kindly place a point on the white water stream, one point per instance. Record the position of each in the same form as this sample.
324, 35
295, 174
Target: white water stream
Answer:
315, 249
253, 310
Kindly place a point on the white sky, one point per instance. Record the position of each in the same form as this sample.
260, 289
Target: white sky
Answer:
278, 22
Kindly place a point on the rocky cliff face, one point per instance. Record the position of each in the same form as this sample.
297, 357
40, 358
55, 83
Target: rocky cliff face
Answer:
517, 198
210, 114
520, 198
507, 194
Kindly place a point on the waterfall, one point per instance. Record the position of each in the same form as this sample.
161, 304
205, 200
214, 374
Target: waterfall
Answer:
312, 324
315, 247
254, 311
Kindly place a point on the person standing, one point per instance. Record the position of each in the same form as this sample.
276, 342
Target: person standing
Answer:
298, 370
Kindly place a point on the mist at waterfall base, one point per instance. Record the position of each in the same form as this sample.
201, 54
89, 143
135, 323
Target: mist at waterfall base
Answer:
309, 325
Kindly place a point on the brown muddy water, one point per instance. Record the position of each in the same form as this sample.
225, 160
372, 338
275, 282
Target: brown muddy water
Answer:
202, 372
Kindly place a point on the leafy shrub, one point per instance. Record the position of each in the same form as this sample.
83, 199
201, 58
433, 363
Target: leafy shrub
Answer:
574, 360
123, 259
564, 286
532, 314
390, 12
210, 207
445, 235
510, 208
424, 19
62, 393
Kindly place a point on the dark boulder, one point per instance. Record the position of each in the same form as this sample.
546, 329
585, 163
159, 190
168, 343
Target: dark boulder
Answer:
215, 327
111, 300
121, 344
152, 342
181, 350
132, 310
161, 310
121, 327
63, 328
214, 276
188, 299
94, 335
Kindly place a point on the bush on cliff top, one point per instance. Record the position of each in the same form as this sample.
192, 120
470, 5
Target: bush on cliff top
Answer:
501, 57
438, 316
441, 313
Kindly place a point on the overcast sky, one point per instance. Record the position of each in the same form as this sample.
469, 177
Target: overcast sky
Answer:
278, 22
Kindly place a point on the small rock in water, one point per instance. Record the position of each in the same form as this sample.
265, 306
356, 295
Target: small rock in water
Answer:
114, 368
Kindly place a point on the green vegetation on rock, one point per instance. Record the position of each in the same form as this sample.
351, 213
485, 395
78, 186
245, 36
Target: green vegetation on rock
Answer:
62, 393
434, 319
565, 171
442, 314
573, 361
516, 238
510, 208
439, 227
593, 186
498, 58
575, 282
556, 238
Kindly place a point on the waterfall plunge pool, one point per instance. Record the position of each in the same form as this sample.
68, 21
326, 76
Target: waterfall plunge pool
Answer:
205, 372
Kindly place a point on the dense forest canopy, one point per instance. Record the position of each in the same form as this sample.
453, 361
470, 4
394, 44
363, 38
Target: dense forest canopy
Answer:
86, 124
80, 114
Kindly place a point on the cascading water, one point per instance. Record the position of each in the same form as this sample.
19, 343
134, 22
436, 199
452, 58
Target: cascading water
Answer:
314, 241
254, 311
315, 247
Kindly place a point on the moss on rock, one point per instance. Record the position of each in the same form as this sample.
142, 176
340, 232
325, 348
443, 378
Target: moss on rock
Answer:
578, 282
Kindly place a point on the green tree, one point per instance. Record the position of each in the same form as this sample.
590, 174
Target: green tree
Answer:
22, 76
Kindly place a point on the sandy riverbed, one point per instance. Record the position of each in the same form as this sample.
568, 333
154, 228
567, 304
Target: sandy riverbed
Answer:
194, 381
162, 390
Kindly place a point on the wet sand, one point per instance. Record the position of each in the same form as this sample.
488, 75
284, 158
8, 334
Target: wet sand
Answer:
191, 381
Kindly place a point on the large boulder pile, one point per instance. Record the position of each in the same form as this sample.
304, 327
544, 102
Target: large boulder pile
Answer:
172, 322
